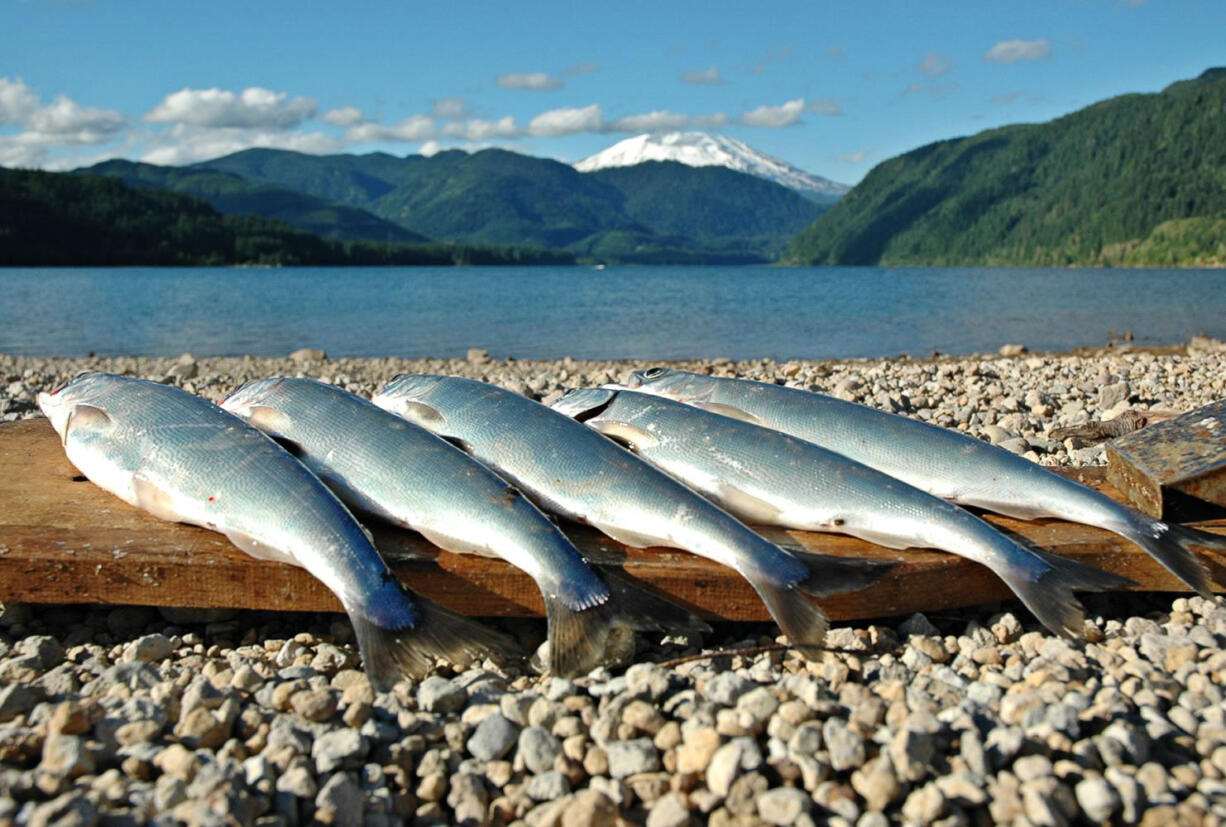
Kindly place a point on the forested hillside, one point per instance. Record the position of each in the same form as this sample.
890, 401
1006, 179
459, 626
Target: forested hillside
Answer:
73, 219
1128, 181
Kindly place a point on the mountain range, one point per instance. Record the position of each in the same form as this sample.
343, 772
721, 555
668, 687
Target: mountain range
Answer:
654, 211
1136, 180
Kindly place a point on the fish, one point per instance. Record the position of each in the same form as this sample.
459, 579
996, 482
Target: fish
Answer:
767, 477
380, 464
574, 472
944, 462
182, 458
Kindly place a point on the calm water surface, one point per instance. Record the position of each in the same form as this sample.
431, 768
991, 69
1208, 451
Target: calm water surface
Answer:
619, 312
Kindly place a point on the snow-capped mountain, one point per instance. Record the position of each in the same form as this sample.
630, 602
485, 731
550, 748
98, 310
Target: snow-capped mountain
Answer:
698, 149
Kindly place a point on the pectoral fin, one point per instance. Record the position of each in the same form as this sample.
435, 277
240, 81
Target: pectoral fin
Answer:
153, 499
746, 506
625, 536
89, 418
422, 414
270, 420
729, 411
259, 550
631, 436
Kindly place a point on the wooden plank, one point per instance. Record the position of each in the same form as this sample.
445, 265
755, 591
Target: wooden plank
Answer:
63, 540
1171, 467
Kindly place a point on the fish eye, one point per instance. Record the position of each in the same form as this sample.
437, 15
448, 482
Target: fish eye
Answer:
653, 373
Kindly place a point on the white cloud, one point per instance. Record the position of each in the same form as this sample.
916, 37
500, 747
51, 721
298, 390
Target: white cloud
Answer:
430, 148
449, 108
481, 130
706, 77
825, 106
854, 157
344, 116
933, 65
412, 129
567, 121
18, 155
61, 123
17, 102
774, 117
658, 120
537, 81
253, 108
186, 143
581, 69
1015, 51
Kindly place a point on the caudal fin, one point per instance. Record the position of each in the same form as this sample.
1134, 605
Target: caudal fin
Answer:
802, 621
834, 575
391, 655
579, 641
1171, 545
1050, 596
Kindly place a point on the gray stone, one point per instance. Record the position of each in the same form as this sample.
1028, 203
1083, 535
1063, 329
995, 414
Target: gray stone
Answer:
725, 688
846, 748
728, 762
16, 699
538, 748
303, 355
628, 758
66, 756
72, 809
1111, 395
46, 649
339, 802
340, 748
783, 805
1097, 798
440, 695
548, 786
493, 738
669, 810
148, 649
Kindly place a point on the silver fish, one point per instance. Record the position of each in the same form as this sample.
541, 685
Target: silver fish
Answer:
182, 458
380, 464
575, 472
768, 477
943, 462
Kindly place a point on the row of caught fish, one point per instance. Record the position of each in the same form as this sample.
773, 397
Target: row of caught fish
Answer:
452, 461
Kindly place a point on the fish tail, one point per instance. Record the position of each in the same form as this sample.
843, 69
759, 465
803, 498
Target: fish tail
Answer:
582, 639
391, 655
1049, 594
1171, 545
802, 621
829, 574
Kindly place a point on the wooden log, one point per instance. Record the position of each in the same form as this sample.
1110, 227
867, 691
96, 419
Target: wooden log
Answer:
64, 540
1174, 467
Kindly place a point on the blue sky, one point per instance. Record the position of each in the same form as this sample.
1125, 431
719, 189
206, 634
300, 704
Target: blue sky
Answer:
832, 87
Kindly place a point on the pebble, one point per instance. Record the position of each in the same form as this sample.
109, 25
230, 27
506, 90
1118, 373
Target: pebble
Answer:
493, 738
121, 714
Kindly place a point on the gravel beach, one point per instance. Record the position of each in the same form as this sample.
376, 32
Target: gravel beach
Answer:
127, 715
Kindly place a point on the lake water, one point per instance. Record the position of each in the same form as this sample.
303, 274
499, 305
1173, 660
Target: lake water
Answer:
619, 312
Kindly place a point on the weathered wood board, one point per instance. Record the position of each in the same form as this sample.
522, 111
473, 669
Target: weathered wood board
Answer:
1173, 467
63, 540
